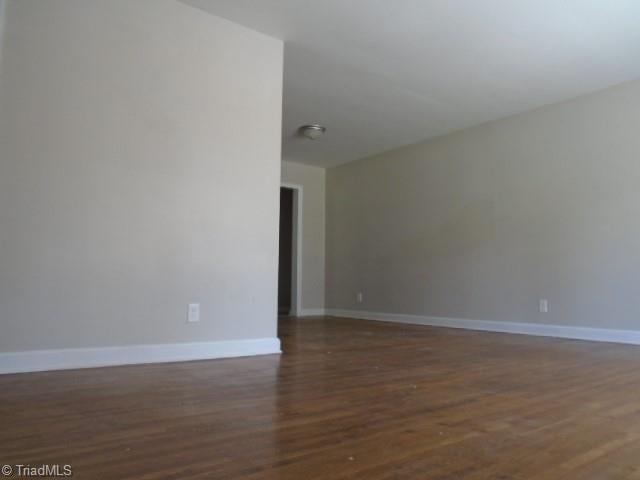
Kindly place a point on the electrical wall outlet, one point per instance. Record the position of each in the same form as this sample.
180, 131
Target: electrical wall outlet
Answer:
544, 305
193, 314
359, 297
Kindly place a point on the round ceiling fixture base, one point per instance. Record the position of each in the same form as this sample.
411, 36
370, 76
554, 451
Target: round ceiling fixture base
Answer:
312, 131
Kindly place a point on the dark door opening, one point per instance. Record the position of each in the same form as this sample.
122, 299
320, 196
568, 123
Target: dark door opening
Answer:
285, 259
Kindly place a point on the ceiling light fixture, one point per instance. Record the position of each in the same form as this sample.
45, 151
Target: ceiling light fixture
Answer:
313, 131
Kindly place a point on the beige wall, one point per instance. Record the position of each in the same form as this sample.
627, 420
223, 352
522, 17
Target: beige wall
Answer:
130, 181
312, 180
2, 9
483, 223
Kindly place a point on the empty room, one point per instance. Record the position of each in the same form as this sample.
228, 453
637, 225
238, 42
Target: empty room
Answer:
313, 240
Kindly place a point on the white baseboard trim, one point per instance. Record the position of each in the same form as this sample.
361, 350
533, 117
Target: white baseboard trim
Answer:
312, 312
64, 359
544, 330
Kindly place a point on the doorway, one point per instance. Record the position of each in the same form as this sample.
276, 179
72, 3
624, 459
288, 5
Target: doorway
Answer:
289, 250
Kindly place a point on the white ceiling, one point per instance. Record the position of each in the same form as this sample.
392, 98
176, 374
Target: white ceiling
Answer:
385, 73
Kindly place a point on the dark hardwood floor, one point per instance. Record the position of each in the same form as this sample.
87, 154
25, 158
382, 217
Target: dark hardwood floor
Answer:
349, 399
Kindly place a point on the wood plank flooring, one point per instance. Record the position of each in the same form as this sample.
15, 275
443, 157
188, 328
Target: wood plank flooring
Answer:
349, 399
